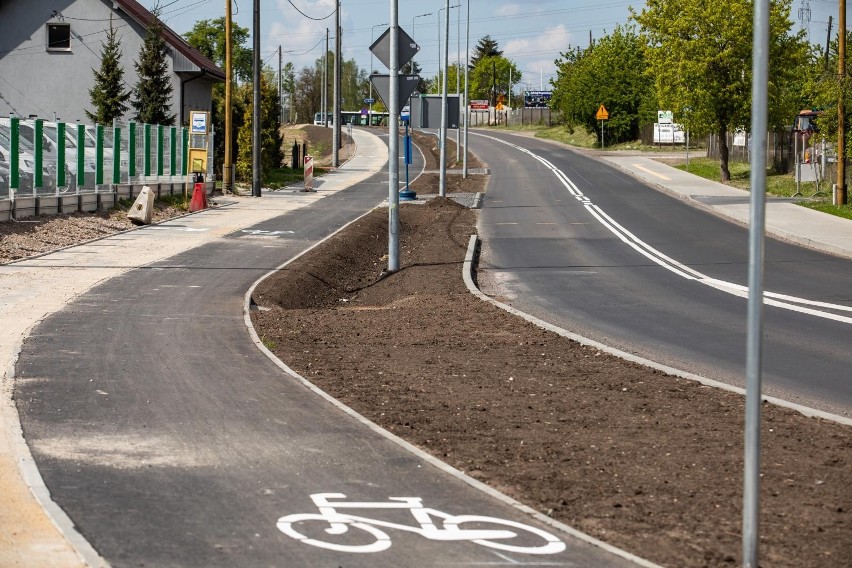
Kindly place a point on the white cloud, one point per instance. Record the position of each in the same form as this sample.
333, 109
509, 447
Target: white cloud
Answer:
535, 55
508, 10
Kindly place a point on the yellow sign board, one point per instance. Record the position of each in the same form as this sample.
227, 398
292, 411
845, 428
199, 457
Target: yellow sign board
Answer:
602, 113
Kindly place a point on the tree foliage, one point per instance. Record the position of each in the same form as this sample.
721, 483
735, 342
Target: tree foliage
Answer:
208, 37
270, 139
490, 77
152, 95
108, 95
614, 73
485, 47
827, 89
699, 53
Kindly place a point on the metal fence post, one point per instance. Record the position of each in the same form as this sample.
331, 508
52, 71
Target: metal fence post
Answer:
60, 156
14, 158
38, 168
172, 150
81, 156
160, 152
131, 151
116, 155
99, 152
146, 146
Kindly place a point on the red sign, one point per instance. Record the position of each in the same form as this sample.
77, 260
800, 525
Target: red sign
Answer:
479, 104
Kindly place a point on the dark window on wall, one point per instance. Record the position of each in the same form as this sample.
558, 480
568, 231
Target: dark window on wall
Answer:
58, 37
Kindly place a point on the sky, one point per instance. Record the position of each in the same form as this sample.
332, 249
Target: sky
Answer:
532, 34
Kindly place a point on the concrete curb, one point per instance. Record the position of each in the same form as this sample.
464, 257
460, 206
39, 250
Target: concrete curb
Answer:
471, 286
446, 468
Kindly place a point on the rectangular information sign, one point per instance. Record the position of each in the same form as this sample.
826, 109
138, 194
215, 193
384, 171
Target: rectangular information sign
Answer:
479, 104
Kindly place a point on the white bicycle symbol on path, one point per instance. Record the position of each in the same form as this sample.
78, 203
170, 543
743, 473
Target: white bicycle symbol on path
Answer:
529, 540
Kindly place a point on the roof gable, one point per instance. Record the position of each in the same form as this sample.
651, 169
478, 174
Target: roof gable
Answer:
144, 17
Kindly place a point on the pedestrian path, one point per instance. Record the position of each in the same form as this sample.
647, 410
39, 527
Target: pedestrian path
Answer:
784, 219
31, 290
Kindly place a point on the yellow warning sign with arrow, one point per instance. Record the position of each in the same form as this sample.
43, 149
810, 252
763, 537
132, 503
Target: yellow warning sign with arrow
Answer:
602, 113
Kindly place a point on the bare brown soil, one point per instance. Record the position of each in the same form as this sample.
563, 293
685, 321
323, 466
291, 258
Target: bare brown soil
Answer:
645, 461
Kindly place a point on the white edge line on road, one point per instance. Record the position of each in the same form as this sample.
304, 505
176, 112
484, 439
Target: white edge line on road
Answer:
805, 410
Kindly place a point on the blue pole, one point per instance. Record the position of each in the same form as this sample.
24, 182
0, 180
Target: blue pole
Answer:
407, 194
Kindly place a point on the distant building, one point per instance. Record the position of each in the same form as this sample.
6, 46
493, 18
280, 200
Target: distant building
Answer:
48, 49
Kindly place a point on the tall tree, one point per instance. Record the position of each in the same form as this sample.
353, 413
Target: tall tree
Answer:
490, 77
485, 47
612, 73
208, 37
270, 139
152, 95
699, 53
108, 95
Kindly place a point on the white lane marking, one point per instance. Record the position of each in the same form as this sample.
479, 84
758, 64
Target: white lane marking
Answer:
787, 302
652, 172
266, 233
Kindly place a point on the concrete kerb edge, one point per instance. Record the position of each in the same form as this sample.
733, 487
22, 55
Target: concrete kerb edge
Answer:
27, 468
774, 232
29, 472
446, 468
468, 278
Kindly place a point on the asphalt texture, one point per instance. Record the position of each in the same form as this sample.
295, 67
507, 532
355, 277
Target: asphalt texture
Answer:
547, 254
170, 439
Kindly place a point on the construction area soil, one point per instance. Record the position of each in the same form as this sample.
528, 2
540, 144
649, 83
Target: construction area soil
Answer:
644, 461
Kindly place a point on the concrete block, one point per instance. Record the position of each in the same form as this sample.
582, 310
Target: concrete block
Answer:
142, 210
88, 202
6, 210
24, 207
48, 205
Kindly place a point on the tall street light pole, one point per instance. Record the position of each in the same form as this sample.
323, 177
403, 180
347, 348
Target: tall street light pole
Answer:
335, 133
227, 167
466, 106
442, 184
840, 194
458, 82
413, 35
393, 142
372, 39
256, 149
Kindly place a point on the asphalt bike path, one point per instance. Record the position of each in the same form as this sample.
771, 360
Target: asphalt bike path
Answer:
588, 247
168, 438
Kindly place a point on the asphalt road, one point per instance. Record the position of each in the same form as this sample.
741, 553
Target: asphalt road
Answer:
615, 260
169, 439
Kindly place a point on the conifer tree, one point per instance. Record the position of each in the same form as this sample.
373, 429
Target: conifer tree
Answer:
153, 93
108, 95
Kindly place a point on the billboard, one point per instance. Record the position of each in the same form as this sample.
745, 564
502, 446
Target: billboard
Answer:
537, 99
479, 104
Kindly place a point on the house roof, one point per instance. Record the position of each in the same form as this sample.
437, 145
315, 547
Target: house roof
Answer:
144, 17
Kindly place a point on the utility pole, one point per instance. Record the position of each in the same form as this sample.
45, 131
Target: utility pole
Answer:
393, 141
840, 195
280, 98
227, 167
256, 147
466, 106
442, 178
827, 42
335, 137
325, 82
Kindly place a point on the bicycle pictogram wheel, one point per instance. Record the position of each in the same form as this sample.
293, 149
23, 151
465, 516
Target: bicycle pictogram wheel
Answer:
526, 540
291, 525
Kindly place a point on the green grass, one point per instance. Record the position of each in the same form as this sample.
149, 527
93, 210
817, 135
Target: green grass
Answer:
780, 185
844, 211
282, 177
268, 343
178, 201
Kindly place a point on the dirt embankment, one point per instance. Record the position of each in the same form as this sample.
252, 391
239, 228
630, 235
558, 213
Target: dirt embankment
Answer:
639, 459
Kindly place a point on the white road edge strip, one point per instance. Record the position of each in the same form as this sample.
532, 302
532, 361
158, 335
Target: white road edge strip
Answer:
471, 286
783, 301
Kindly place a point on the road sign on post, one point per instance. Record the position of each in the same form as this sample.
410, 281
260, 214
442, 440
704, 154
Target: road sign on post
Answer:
407, 84
406, 50
602, 115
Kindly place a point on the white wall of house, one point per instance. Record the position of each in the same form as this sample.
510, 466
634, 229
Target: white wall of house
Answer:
35, 80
